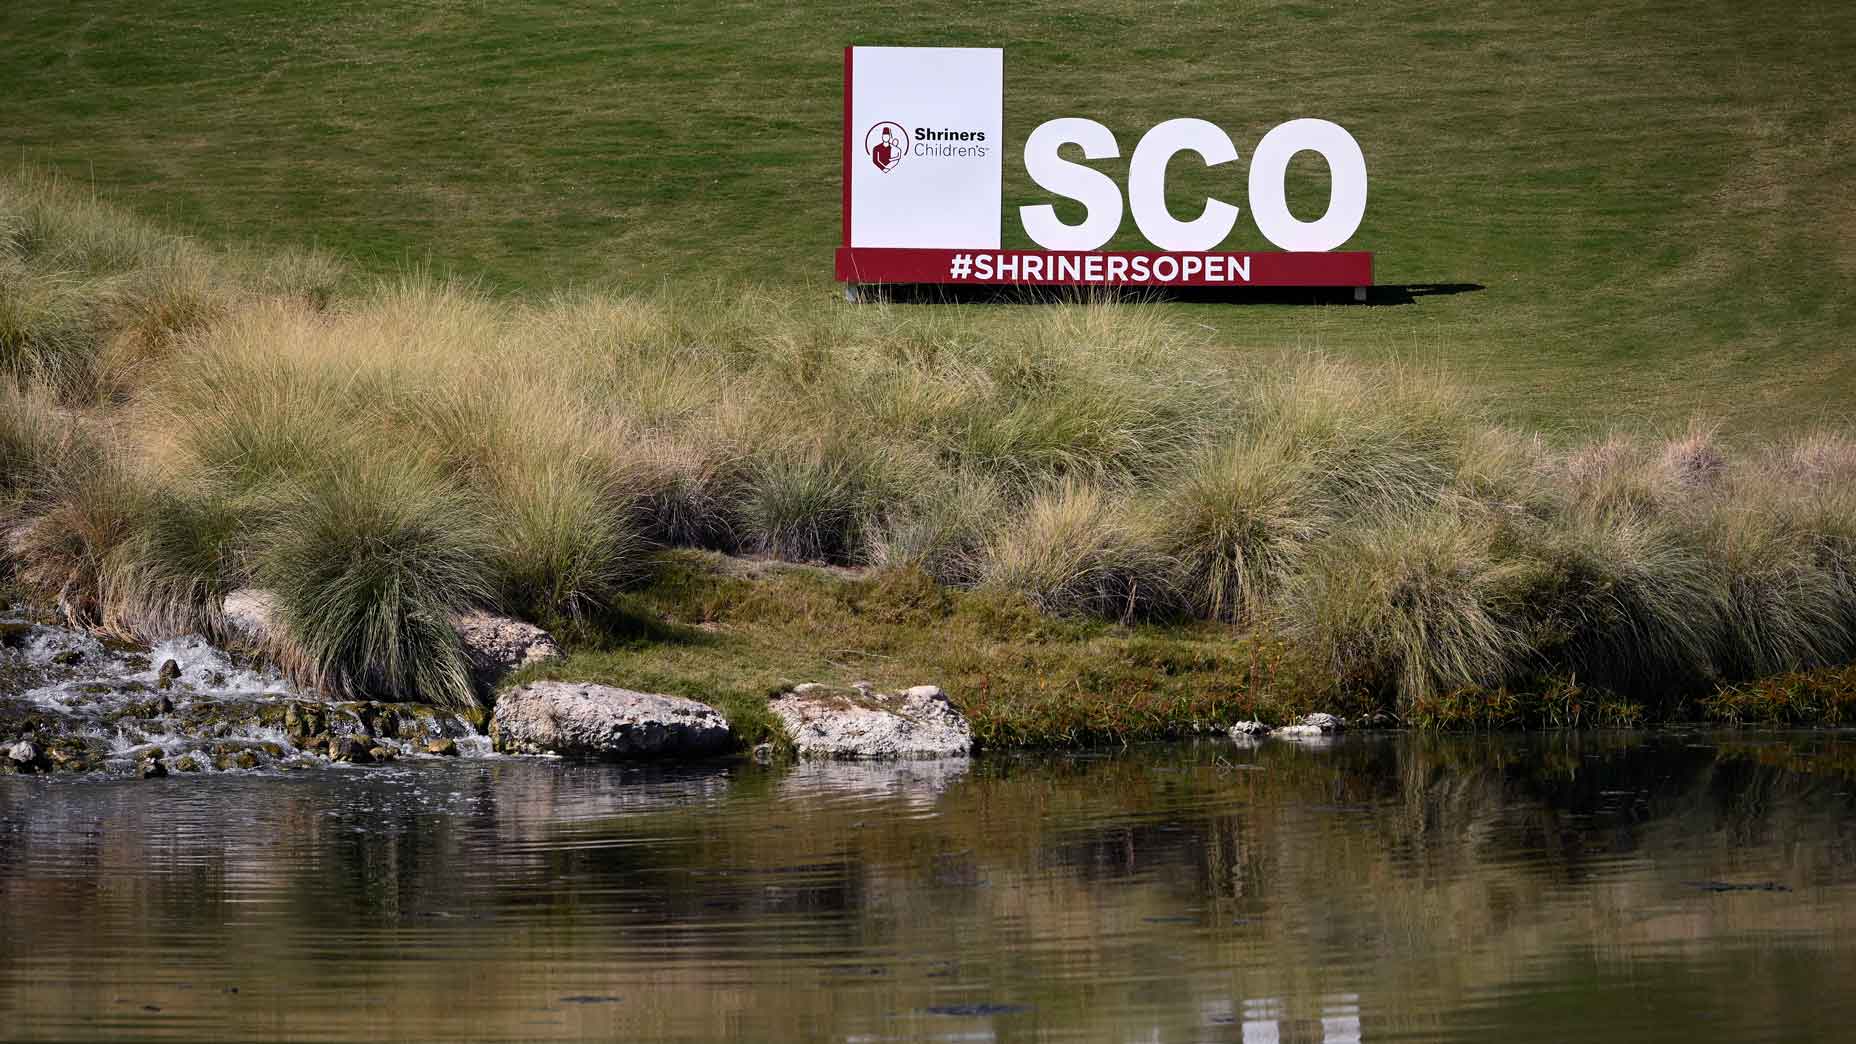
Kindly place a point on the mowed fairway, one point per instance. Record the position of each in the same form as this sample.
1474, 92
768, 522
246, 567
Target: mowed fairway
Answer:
1658, 200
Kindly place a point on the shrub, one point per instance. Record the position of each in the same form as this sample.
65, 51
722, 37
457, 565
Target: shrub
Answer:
369, 561
1627, 602
1784, 610
1239, 518
1077, 549
1412, 605
565, 541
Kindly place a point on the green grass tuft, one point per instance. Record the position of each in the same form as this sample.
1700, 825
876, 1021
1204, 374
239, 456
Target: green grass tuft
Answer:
1413, 605
1077, 548
369, 562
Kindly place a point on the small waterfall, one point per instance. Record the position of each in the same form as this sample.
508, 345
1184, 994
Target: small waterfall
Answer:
185, 705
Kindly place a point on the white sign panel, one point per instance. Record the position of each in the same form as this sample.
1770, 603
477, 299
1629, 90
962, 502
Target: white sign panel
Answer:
924, 143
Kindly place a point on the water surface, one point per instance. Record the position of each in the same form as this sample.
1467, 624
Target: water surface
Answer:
1645, 886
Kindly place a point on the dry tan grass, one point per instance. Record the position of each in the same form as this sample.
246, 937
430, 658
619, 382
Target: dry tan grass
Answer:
1096, 459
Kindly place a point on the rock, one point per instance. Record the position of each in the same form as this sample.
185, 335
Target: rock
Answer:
380, 754
250, 615
763, 754
358, 749
1249, 728
497, 645
599, 720
189, 763
235, 759
303, 720
70, 755
168, 675
23, 752
68, 658
151, 768
1314, 725
860, 723
444, 748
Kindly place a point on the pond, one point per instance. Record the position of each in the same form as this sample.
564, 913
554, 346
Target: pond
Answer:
1652, 886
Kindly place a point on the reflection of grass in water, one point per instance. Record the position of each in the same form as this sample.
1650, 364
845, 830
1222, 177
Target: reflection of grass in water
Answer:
1420, 874
1423, 873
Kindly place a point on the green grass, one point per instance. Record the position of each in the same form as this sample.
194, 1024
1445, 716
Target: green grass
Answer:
734, 633
1656, 196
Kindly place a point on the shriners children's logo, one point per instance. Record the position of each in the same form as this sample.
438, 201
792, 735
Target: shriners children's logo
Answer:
886, 144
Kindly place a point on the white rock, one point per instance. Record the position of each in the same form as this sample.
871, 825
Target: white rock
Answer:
857, 723
251, 615
1314, 725
1249, 728
599, 720
22, 752
497, 645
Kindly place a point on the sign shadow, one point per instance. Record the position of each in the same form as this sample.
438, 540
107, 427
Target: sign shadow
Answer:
1379, 296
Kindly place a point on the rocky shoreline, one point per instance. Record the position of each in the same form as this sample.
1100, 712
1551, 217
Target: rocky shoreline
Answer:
71, 702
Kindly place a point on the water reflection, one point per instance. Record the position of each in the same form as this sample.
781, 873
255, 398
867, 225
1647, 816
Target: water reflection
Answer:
1521, 888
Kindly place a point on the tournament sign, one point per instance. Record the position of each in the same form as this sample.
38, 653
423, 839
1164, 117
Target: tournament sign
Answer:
924, 151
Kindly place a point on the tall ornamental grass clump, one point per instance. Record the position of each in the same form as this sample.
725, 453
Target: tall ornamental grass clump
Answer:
37, 442
1238, 520
369, 561
1078, 548
1628, 602
1417, 603
1787, 601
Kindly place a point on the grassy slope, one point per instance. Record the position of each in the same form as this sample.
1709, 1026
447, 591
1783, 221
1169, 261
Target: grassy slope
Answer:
1657, 196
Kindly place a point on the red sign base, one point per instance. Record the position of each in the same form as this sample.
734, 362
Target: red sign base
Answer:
1103, 268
